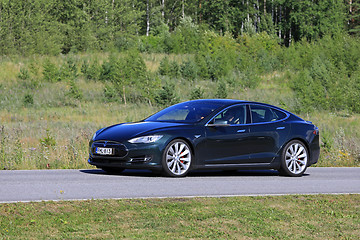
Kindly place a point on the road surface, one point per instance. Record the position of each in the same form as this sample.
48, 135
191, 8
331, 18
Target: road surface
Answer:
43, 185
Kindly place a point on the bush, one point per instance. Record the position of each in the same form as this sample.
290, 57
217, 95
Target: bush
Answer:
28, 99
50, 72
189, 69
197, 93
221, 91
167, 95
74, 91
164, 68
23, 74
174, 69
110, 92
48, 140
91, 71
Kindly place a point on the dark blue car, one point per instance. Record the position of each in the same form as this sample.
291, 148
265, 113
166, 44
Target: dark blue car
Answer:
209, 134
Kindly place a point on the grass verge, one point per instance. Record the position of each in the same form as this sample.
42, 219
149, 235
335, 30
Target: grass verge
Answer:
279, 217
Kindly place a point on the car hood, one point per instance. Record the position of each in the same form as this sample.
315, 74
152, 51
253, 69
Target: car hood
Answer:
126, 131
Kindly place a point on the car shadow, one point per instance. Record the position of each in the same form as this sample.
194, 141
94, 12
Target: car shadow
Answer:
195, 173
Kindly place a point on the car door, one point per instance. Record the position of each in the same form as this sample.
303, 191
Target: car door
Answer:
227, 137
267, 133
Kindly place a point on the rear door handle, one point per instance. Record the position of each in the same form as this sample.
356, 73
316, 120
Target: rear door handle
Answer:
241, 130
280, 128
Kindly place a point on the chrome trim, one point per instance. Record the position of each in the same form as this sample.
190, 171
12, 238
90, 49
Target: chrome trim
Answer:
249, 104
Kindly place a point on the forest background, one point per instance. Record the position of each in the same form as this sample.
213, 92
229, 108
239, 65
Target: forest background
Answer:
70, 67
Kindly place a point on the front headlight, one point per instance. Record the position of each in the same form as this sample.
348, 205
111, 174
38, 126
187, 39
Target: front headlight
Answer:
146, 139
94, 136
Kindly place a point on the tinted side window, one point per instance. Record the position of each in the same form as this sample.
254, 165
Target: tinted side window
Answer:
233, 115
280, 115
261, 114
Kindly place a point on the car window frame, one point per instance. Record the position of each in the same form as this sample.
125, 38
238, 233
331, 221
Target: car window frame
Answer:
270, 107
248, 115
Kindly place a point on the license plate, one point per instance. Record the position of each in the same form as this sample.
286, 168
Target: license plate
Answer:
104, 151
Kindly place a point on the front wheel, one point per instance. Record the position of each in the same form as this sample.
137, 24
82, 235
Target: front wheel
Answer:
177, 158
294, 159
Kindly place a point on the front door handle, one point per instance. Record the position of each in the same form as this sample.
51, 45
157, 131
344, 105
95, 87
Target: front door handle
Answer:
280, 128
241, 130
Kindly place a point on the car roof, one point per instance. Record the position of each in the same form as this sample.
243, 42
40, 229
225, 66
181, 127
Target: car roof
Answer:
221, 101
228, 102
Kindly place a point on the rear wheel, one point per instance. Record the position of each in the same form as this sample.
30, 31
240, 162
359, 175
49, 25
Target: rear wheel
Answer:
177, 158
113, 170
294, 159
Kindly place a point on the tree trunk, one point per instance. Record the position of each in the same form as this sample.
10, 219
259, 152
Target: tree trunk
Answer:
163, 9
124, 96
247, 8
264, 7
183, 8
147, 18
200, 14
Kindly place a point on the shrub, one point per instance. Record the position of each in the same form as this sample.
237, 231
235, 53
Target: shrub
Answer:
167, 95
189, 69
221, 91
28, 99
48, 140
74, 91
110, 92
164, 68
91, 71
174, 69
23, 74
50, 72
196, 93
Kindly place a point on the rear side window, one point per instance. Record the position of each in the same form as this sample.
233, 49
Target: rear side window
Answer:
262, 114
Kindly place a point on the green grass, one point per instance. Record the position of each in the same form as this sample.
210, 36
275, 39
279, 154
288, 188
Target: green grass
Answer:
272, 217
53, 131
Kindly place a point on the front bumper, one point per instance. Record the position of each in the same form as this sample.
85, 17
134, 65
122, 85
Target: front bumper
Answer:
145, 156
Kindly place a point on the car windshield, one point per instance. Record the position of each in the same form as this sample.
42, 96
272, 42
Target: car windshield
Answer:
187, 112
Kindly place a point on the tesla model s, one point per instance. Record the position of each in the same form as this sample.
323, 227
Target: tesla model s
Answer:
209, 134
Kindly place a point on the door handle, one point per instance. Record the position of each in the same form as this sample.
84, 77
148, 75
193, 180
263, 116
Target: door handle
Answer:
241, 130
280, 128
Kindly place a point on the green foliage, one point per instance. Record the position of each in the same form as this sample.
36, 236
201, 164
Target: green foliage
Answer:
164, 68
74, 91
50, 71
91, 71
327, 81
167, 95
110, 92
24, 74
218, 56
221, 90
51, 27
196, 93
28, 99
26, 80
189, 69
48, 140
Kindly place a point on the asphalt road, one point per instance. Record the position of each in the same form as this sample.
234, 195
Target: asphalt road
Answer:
39, 185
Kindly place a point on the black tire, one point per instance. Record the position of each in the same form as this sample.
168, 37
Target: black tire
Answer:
294, 159
177, 159
113, 170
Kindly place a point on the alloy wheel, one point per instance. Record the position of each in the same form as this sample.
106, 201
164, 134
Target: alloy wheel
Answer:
296, 158
178, 158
